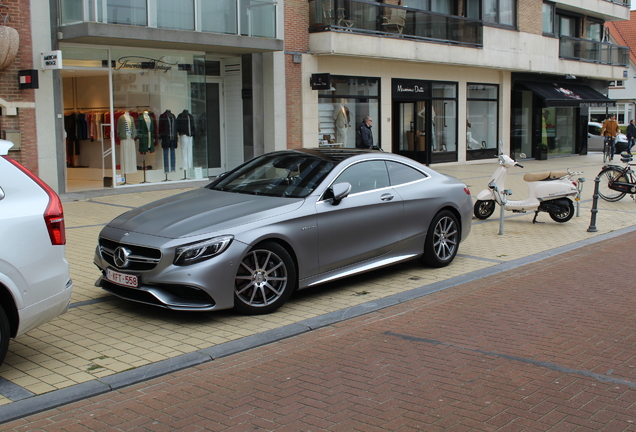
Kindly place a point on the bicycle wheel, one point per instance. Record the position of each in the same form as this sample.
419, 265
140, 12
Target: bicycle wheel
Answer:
606, 152
610, 174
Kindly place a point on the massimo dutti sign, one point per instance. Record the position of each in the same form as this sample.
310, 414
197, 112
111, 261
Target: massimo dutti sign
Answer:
403, 89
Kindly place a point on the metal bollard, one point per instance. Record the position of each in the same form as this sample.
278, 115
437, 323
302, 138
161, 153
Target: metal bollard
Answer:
579, 187
502, 206
592, 227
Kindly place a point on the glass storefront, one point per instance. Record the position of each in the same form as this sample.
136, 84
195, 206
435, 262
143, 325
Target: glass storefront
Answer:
141, 120
342, 108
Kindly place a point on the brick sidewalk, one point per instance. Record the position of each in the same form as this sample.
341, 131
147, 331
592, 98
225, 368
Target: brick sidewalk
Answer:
546, 346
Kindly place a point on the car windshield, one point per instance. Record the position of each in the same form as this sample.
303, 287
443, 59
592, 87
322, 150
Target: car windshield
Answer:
285, 174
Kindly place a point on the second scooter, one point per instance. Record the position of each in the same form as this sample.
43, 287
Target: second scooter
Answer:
549, 191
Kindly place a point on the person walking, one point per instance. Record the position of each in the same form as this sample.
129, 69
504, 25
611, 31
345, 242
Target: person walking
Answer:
631, 135
610, 132
364, 136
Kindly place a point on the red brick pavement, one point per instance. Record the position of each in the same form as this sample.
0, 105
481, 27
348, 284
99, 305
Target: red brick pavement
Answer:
548, 346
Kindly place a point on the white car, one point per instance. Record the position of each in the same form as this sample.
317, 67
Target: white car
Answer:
35, 285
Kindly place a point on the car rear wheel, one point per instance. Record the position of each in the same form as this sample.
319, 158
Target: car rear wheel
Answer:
265, 279
442, 240
4, 334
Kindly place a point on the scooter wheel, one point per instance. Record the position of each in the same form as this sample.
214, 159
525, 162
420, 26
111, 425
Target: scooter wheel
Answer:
484, 209
566, 212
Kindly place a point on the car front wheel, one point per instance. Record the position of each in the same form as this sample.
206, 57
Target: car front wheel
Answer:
266, 278
442, 240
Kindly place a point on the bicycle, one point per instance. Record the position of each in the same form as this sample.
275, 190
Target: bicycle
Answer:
608, 148
617, 181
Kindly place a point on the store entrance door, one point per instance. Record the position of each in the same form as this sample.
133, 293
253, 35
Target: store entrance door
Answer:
410, 130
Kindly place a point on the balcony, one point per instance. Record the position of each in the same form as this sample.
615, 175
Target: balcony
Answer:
257, 18
382, 19
571, 48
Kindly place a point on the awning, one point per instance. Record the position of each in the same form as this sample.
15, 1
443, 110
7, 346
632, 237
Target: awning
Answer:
568, 95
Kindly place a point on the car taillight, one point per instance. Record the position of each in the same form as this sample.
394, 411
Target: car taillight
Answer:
467, 191
54, 213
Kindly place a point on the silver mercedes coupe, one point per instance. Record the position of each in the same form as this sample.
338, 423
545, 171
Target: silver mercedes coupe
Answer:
283, 221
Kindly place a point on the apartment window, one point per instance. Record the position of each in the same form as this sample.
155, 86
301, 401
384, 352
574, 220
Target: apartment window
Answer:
594, 30
568, 26
500, 12
548, 18
441, 6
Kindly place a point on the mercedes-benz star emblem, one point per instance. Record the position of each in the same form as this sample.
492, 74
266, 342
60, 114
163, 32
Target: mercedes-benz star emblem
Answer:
121, 257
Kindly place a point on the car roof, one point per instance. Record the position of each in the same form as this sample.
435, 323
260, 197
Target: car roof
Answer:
332, 154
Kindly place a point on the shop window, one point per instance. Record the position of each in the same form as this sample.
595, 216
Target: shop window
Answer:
342, 108
482, 120
444, 117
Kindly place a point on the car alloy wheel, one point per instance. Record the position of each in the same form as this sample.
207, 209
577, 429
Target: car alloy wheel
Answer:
265, 279
442, 240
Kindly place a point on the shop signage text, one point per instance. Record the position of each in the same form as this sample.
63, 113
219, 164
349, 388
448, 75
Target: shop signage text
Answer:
52, 60
146, 63
321, 81
404, 89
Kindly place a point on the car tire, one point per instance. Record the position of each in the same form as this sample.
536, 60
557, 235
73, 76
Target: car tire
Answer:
265, 279
4, 334
442, 240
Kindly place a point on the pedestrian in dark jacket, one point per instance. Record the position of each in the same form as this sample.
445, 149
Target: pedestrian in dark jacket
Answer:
631, 135
364, 136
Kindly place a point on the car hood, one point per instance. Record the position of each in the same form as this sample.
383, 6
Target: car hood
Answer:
202, 211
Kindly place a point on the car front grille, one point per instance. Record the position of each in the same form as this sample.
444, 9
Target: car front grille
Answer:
178, 297
138, 258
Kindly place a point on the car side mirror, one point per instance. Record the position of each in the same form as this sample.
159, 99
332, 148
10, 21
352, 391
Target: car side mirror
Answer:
340, 191
1, 194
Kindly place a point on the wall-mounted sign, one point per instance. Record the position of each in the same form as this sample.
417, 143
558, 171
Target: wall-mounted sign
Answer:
28, 79
52, 60
320, 81
404, 89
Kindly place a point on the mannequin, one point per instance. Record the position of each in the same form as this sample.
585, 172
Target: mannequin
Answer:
146, 132
127, 132
185, 130
471, 143
342, 122
168, 135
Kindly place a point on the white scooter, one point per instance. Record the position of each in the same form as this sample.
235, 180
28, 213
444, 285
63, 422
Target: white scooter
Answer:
549, 192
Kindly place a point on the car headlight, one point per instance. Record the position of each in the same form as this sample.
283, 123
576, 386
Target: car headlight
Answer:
200, 251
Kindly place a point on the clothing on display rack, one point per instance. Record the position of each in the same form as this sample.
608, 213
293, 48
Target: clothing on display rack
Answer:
168, 136
186, 131
146, 132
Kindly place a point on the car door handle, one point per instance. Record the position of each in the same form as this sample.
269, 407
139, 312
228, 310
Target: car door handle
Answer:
386, 197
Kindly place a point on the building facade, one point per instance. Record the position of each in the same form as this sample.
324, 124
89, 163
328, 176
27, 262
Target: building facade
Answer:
146, 91
447, 81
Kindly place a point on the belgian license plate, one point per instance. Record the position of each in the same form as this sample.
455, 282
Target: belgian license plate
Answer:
123, 279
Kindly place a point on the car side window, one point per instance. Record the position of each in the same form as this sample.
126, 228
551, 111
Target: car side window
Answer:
401, 174
594, 130
365, 176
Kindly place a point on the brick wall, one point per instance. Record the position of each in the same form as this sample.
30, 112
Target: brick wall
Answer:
296, 41
530, 16
20, 19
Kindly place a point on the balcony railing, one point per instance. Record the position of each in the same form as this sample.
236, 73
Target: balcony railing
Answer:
621, 2
592, 51
368, 17
239, 17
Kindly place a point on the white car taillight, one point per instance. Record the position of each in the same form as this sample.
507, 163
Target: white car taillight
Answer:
54, 213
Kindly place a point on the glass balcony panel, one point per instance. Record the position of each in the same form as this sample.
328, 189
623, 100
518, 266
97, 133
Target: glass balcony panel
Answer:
593, 51
258, 18
383, 18
130, 12
71, 11
175, 15
218, 16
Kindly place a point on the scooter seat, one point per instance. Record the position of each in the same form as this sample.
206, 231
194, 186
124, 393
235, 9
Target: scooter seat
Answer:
544, 175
